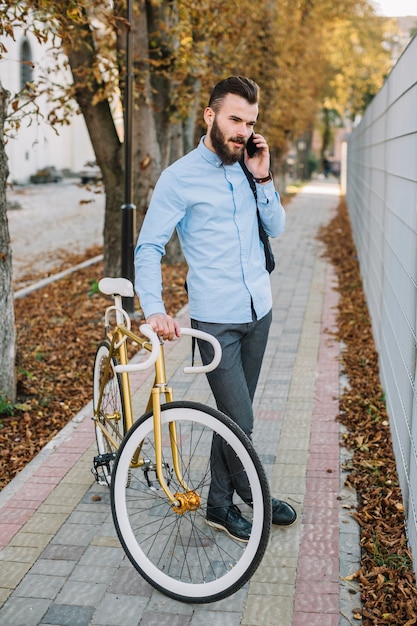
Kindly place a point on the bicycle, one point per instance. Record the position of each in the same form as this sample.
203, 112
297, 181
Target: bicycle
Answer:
158, 469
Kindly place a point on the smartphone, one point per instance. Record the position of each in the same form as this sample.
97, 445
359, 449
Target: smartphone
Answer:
251, 147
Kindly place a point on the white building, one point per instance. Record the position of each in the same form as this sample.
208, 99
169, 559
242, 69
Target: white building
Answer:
36, 145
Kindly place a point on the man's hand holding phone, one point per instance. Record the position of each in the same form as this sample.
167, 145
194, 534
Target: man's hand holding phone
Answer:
258, 161
251, 147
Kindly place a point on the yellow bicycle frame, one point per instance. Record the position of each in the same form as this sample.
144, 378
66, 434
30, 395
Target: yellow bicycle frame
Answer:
118, 349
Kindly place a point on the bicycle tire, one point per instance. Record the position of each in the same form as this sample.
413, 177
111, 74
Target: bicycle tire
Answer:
180, 555
111, 414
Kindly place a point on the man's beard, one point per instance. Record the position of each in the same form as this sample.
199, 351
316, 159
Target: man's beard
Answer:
219, 143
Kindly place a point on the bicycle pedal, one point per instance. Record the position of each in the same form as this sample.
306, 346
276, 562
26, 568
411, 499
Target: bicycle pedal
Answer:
104, 459
149, 470
100, 477
100, 461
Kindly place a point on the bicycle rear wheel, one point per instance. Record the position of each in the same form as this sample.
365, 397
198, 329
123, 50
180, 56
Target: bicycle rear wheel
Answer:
179, 554
111, 415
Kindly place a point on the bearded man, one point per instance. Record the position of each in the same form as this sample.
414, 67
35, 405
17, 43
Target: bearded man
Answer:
207, 198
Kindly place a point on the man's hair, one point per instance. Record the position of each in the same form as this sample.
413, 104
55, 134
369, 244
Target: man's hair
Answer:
244, 87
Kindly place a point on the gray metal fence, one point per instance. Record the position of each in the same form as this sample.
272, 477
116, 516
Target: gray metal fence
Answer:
381, 193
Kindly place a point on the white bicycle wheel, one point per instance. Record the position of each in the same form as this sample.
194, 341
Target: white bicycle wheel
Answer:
180, 554
110, 415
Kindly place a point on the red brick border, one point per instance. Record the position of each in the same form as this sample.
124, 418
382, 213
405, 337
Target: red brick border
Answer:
316, 600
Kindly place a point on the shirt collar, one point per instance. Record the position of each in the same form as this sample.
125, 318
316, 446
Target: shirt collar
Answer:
211, 156
207, 154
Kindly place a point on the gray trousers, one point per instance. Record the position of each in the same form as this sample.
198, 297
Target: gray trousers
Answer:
233, 384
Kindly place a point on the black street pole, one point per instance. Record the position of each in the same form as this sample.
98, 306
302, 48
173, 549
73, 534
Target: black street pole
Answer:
128, 208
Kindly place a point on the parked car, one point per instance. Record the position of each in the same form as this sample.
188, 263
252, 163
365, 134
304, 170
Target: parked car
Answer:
46, 175
91, 173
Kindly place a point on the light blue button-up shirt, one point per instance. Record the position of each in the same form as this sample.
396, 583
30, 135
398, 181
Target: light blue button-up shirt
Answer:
214, 211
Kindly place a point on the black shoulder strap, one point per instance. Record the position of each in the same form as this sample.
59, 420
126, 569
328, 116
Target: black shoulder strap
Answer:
250, 178
269, 257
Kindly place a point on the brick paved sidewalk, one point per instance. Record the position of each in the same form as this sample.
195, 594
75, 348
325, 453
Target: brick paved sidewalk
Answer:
61, 561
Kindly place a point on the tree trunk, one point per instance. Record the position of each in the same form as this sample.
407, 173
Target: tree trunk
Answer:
157, 141
7, 327
106, 144
147, 158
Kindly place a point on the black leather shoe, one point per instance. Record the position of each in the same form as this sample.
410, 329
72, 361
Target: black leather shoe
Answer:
229, 519
282, 513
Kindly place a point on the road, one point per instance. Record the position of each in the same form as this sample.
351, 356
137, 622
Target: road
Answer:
46, 222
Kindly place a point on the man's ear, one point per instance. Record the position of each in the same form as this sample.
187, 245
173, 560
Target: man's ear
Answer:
209, 116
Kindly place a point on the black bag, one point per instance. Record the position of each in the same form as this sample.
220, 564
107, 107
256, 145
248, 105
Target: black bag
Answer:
269, 256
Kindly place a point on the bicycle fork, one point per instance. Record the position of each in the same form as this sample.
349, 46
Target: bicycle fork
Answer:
188, 500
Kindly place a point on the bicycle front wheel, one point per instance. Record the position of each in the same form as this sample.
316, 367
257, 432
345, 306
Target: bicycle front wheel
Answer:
177, 552
109, 413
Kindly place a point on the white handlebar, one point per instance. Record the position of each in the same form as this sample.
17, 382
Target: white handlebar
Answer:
148, 331
199, 369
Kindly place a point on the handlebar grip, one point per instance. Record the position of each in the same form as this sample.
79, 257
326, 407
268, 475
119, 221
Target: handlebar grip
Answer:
148, 331
199, 334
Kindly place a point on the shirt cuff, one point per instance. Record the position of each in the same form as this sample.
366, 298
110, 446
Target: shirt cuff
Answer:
268, 191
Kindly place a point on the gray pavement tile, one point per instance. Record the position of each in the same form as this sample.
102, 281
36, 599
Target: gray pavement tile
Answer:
349, 564
79, 593
265, 449
350, 542
119, 610
167, 619
350, 598
80, 516
23, 612
39, 586
266, 459
63, 553
75, 534
107, 529
215, 618
69, 615
52, 567
98, 555
82, 573
263, 438
128, 581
